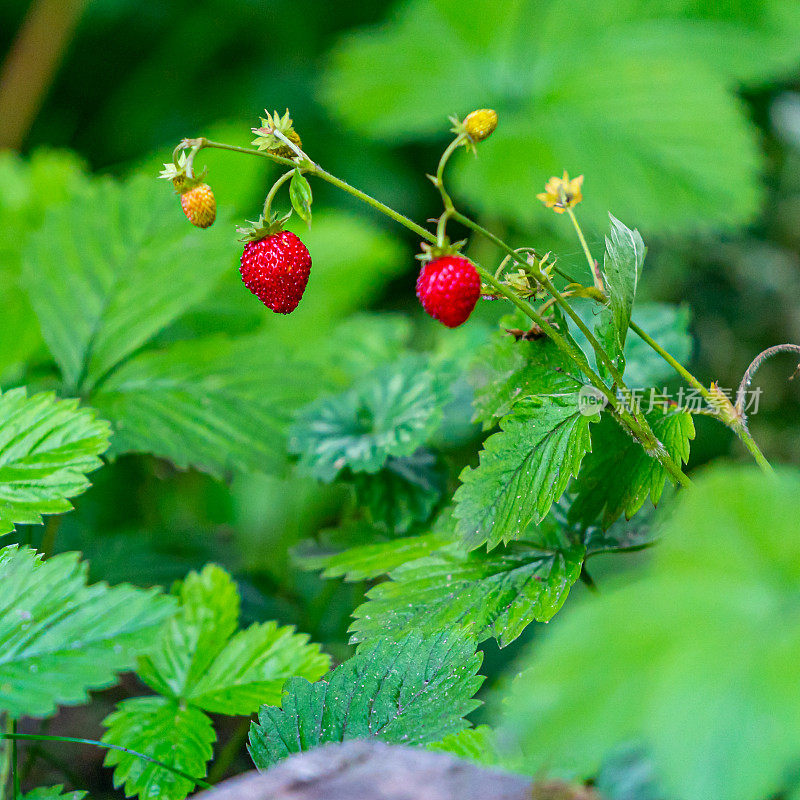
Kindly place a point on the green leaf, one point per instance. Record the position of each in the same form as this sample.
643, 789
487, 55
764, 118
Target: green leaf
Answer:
202, 660
622, 269
52, 793
412, 692
166, 731
300, 196
472, 744
391, 412
523, 469
510, 370
669, 326
629, 107
618, 476
59, 638
405, 491
373, 560
30, 186
214, 404
492, 594
693, 660
108, 271
47, 447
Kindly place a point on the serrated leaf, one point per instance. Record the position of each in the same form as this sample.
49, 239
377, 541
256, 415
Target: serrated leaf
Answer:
52, 793
697, 674
622, 269
47, 447
109, 270
373, 560
523, 469
618, 476
166, 731
491, 594
391, 412
637, 90
201, 660
472, 744
413, 691
59, 638
405, 491
300, 196
510, 370
213, 404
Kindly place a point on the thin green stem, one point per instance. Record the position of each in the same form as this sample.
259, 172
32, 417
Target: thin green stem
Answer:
5, 761
746, 438
596, 277
15, 779
38, 737
229, 751
273, 191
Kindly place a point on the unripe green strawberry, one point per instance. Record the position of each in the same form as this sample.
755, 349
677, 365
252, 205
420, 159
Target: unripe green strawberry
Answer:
199, 205
276, 269
448, 288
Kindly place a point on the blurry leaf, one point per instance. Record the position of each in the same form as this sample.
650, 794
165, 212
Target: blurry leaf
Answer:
473, 744
201, 663
59, 638
699, 671
373, 560
523, 469
47, 447
618, 476
626, 108
216, 404
200, 659
491, 594
52, 793
622, 269
512, 370
166, 731
112, 268
390, 412
300, 196
403, 492
669, 326
409, 692
29, 187
628, 774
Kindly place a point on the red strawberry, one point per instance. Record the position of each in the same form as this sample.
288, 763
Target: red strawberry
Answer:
275, 269
199, 205
448, 288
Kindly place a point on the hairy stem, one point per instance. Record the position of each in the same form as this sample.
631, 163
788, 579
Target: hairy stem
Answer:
38, 737
596, 276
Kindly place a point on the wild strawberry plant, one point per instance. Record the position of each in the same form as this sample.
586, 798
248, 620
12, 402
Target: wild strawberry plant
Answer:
457, 548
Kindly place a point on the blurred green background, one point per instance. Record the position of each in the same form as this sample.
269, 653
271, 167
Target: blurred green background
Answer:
684, 116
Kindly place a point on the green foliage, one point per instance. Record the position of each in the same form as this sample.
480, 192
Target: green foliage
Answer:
405, 491
369, 561
703, 619
207, 403
472, 744
29, 187
52, 793
109, 270
492, 594
580, 85
390, 413
59, 638
46, 448
618, 475
301, 196
523, 469
201, 663
622, 269
414, 691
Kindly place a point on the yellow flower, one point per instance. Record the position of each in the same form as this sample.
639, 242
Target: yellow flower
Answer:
562, 193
